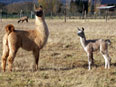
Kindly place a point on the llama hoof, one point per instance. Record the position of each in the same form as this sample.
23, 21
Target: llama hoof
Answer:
89, 69
10, 70
4, 70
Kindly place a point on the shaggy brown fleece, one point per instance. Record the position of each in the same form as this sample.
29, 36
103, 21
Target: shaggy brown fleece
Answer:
30, 40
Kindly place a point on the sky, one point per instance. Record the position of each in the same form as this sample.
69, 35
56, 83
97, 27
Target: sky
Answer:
13, 1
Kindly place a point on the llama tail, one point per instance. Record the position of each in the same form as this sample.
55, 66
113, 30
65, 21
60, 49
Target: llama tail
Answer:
9, 28
108, 41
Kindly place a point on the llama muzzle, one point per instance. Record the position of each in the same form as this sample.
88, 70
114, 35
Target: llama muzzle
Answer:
108, 41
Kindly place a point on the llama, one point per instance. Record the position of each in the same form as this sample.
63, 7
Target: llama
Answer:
30, 40
93, 45
25, 18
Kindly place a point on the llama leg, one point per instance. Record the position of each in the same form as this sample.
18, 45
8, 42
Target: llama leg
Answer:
104, 52
11, 57
36, 56
13, 48
4, 57
26, 20
107, 60
90, 59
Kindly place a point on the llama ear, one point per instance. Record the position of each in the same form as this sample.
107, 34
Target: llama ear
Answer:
82, 28
78, 29
41, 6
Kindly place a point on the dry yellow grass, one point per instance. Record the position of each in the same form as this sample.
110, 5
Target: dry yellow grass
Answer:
63, 62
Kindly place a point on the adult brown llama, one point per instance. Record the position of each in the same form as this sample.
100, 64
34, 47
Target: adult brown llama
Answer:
30, 40
25, 18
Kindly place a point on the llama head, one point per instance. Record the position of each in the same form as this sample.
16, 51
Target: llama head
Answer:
38, 11
80, 32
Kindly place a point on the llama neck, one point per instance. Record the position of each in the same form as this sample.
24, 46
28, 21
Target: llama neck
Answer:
41, 26
39, 21
42, 29
83, 41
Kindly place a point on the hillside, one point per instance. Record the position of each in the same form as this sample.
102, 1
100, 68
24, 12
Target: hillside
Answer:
1, 5
16, 1
16, 4
17, 7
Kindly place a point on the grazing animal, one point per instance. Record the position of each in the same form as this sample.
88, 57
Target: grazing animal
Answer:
93, 45
25, 18
30, 40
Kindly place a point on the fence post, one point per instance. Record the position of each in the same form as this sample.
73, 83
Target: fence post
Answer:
106, 15
65, 13
32, 14
21, 13
1, 15
85, 15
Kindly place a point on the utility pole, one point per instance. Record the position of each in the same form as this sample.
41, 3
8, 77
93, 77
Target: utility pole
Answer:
1, 15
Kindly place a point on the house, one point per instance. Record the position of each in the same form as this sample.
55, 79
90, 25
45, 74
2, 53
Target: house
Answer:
99, 3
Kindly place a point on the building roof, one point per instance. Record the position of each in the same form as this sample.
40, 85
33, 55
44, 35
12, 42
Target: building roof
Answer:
105, 7
108, 2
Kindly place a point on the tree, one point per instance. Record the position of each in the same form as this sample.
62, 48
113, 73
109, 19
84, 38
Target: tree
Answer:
73, 7
79, 5
82, 6
50, 6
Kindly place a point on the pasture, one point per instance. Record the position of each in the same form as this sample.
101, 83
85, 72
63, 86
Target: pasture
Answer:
63, 62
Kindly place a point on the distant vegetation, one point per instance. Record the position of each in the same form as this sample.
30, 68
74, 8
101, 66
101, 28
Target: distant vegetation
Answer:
59, 8
17, 7
1, 5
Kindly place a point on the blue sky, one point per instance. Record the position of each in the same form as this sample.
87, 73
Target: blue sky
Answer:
13, 1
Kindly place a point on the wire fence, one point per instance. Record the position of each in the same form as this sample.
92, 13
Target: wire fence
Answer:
69, 15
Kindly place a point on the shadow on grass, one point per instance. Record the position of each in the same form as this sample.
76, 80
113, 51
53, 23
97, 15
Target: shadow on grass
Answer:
74, 65
78, 64
113, 64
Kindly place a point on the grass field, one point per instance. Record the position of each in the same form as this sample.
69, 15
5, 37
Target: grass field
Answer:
63, 62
